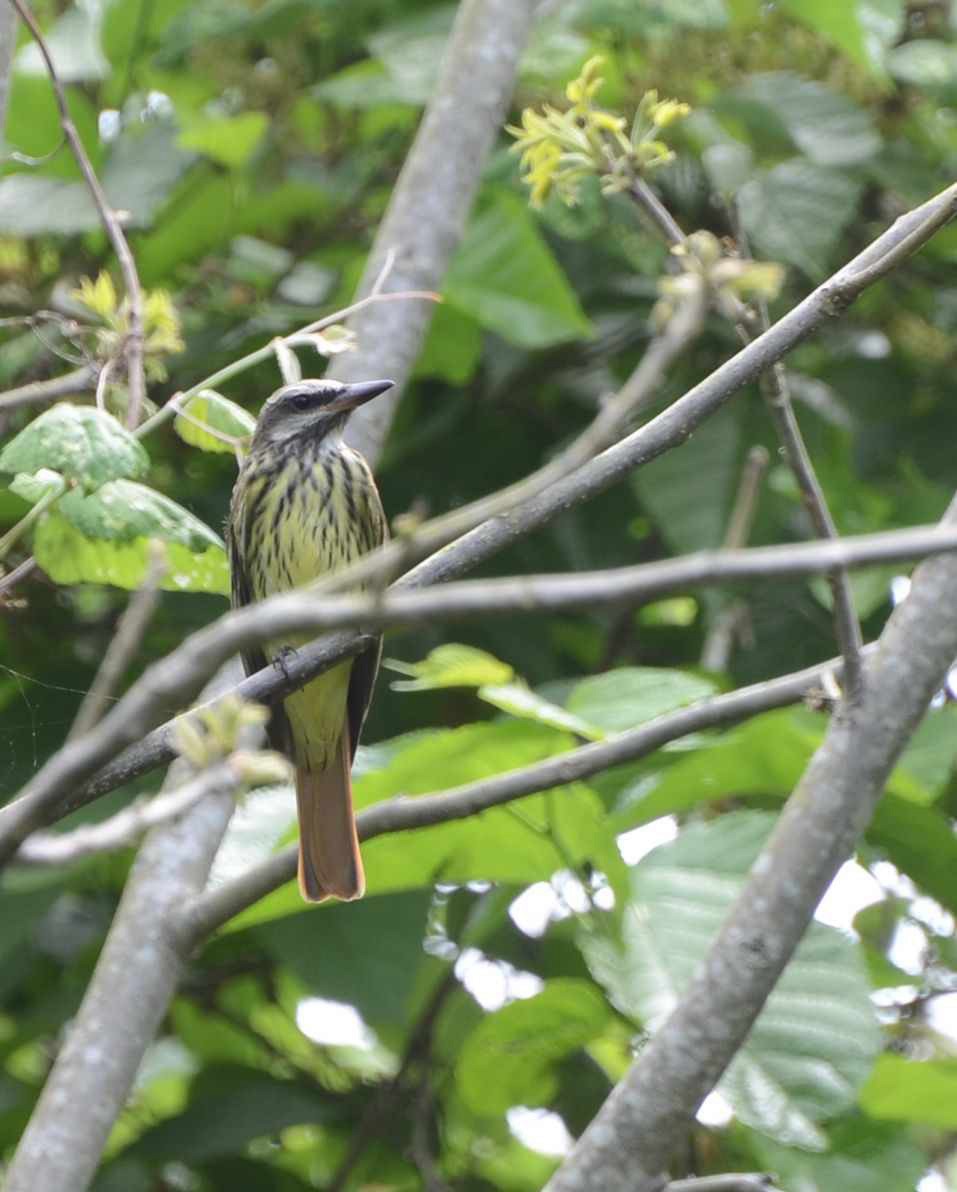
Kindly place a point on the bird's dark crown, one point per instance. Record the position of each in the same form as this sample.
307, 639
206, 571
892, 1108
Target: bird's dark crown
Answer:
311, 408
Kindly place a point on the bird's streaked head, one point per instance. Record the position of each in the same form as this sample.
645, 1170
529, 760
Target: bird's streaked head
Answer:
310, 410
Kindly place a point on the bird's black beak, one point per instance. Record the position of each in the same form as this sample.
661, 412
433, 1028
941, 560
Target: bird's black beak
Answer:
357, 395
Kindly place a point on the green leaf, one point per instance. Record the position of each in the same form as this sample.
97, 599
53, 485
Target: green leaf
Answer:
84, 444
104, 539
825, 125
689, 492
452, 348
519, 700
229, 1106
862, 1156
220, 415
229, 140
505, 277
631, 695
365, 954
797, 213
816, 1039
510, 1057
907, 1090
35, 487
450, 665
925, 62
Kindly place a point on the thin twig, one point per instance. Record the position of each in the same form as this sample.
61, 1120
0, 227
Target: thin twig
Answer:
108, 218
126, 640
716, 650
215, 907
22, 571
268, 351
39, 392
128, 826
16, 532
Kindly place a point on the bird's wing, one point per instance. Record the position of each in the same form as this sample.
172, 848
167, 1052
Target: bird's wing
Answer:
278, 730
366, 666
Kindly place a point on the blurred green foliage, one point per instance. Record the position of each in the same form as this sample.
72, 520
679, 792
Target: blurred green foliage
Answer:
253, 147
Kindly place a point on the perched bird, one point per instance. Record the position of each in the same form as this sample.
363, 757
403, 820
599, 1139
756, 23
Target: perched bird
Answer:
304, 506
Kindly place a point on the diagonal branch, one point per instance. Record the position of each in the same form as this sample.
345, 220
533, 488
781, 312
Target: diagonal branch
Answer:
631, 1141
108, 218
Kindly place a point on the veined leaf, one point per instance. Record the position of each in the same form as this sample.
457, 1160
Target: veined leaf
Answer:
84, 444
224, 417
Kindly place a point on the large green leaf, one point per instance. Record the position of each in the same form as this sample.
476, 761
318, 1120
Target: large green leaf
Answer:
825, 125
630, 695
365, 954
82, 443
862, 1156
797, 212
816, 1039
104, 538
925, 62
842, 24
510, 1057
229, 140
505, 277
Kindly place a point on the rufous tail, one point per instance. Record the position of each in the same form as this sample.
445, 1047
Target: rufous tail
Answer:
329, 861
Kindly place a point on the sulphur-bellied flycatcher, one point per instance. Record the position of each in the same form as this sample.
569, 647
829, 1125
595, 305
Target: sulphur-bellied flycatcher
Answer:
305, 505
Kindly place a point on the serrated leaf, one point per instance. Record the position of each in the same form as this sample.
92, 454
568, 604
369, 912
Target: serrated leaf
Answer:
816, 1039
450, 665
35, 487
509, 1058
827, 126
623, 698
84, 444
104, 538
225, 417
797, 213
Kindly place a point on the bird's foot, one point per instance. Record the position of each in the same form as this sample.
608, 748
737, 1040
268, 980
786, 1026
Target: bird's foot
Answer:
282, 658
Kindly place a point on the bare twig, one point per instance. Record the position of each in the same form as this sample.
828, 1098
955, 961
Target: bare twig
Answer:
22, 571
128, 826
39, 392
718, 644
630, 1142
108, 218
215, 907
656, 213
123, 645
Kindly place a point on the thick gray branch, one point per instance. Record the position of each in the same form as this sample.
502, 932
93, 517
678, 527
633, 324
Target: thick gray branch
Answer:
135, 977
8, 41
432, 198
630, 1142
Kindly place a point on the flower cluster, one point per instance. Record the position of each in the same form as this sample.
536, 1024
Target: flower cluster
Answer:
560, 148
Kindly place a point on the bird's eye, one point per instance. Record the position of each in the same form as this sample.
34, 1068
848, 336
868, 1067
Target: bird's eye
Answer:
302, 400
